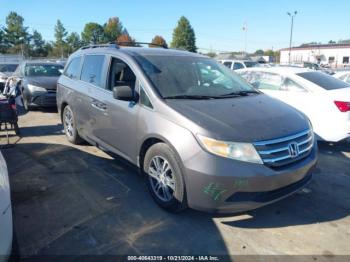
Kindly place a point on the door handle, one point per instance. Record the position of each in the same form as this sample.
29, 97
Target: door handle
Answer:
99, 105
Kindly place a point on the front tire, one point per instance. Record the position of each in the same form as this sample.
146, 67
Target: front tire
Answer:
70, 128
165, 178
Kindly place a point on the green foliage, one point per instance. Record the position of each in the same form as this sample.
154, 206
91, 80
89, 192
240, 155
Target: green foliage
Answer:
73, 42
37, 45
93, 33
259, 52
60, 36
211, 54
158, 41
184, 36
113, 29
16, 37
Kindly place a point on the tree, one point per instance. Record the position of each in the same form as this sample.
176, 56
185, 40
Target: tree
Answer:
16, 37
211, 54
73, 42
93, 33
60, 36
158, 41
113, 29
332, 42
259, 52
125, 40
37, 45
184, 36
3, 47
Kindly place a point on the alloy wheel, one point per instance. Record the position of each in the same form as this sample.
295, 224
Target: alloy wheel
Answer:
162, 178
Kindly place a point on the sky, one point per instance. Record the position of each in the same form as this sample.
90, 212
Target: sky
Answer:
217, 24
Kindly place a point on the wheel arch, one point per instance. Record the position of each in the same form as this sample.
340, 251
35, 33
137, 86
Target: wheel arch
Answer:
150, 141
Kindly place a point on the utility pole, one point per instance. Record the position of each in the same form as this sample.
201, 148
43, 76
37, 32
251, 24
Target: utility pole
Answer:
245, 29
291, 32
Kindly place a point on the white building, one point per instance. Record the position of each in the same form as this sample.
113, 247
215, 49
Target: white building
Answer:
336, 55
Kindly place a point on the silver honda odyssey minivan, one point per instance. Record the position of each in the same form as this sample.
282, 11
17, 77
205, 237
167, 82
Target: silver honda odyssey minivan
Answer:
203, 137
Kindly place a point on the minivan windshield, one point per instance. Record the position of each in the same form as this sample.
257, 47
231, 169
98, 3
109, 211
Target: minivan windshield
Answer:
323, 80
192, 77
43, 70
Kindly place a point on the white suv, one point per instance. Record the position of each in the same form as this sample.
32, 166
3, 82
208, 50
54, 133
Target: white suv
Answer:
238, 64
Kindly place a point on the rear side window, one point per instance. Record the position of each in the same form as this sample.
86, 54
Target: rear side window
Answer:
92, 70
291, 85
228, 64
323, 80
73, 69
237, 66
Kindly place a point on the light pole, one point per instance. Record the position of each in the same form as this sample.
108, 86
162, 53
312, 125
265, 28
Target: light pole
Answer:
292, 15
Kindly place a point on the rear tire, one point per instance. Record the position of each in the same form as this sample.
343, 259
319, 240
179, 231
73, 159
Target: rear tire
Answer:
165, 178
69, 125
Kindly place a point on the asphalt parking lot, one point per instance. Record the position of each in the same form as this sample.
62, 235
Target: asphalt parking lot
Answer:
78, 200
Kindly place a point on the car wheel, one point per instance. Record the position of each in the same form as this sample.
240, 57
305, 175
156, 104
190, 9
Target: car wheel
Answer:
69, 125
165, 178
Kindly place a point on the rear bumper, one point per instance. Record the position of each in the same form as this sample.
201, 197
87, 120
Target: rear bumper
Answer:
6, 234
229, 186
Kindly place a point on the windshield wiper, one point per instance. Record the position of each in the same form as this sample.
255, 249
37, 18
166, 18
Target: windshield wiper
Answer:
241, 93
190, 97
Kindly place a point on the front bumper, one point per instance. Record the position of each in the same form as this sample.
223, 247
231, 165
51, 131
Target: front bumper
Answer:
42, 99
6, 234
217, 184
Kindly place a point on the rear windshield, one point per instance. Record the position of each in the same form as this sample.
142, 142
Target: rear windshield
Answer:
43, 70
323, 80
8, 68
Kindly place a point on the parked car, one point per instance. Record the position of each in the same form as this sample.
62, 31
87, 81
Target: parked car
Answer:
204, 137
5, 213
324, 68
343, 75
38, 83
238, 64
6, 70
323, 98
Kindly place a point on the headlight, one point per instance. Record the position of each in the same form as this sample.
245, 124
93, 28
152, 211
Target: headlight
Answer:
238, 151
34, 88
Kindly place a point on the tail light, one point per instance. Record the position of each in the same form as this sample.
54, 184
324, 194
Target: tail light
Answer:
342, 106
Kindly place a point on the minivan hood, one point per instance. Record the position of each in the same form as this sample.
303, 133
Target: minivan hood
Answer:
242, 119
47, 82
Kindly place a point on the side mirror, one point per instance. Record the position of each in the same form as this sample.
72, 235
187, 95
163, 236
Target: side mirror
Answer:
124, 93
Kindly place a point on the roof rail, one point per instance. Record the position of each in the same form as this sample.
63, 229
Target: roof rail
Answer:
140, 43
117, 45
113, 45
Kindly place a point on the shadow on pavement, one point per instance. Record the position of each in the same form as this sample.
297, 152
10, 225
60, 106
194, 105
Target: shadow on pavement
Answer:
47, 130
67, 201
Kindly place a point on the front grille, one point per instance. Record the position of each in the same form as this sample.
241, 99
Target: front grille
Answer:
277, 152
45, 100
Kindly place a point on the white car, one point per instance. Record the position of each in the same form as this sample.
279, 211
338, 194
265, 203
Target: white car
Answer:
343, 75
5, 213
321, 97
238, 64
